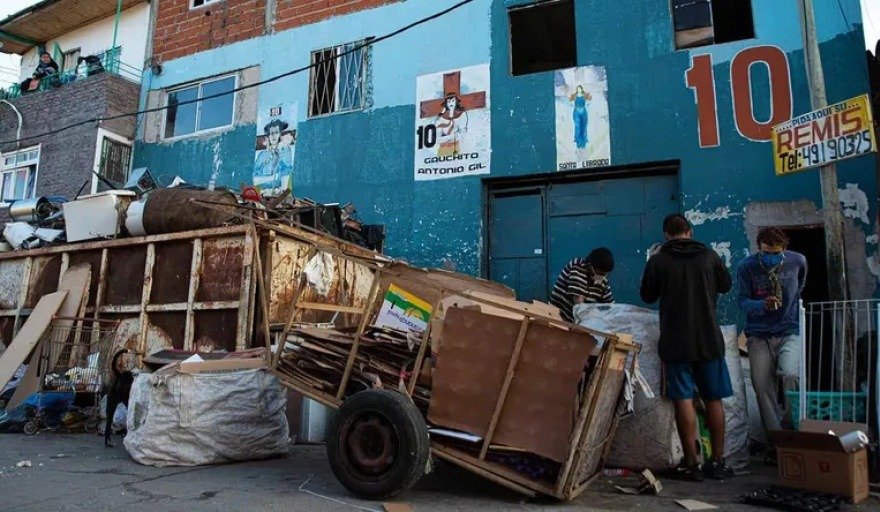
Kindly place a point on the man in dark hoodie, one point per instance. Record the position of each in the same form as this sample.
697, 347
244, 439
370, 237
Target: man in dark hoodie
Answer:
770, 285
687, 277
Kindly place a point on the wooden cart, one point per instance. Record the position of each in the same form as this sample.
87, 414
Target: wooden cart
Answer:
509, 373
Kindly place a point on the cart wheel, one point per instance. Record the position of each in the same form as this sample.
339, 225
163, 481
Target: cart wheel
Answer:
378, 445
30, 428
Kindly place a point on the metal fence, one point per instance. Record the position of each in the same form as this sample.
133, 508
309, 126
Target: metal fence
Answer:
110, 62
839, 362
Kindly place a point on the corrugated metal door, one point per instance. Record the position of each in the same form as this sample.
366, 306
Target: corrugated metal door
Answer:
516, 242
624, 215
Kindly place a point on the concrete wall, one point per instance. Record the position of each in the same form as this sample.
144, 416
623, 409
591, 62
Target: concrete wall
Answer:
98, 36
67, 158
367, 157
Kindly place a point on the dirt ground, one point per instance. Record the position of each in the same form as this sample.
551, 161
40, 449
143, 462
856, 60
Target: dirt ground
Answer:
76, 473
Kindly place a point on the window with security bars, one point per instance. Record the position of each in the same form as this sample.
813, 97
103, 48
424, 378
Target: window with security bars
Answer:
338, 81
115, 162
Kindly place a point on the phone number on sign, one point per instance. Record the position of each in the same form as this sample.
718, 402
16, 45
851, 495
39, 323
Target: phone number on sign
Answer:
845, 146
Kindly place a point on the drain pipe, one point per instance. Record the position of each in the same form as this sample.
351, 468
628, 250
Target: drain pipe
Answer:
18, 132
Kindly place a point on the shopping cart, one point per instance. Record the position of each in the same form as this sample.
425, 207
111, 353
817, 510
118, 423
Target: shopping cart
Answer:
72, 359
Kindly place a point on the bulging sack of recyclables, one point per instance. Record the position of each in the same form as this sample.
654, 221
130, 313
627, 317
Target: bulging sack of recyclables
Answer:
648, 438
180, 419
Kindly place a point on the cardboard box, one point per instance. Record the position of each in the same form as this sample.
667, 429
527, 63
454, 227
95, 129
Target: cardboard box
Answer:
813, 460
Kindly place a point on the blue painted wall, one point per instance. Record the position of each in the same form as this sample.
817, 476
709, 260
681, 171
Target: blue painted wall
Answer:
367, 157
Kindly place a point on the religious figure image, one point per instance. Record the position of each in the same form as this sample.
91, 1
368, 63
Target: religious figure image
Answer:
580, 100
451, 123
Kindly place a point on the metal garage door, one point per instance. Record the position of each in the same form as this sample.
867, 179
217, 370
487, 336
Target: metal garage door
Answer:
534, 231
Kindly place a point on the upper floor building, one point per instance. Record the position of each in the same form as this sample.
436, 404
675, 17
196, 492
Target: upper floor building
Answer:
506, 137
81, 60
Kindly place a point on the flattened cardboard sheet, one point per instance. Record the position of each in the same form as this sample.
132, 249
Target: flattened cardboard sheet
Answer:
538, 414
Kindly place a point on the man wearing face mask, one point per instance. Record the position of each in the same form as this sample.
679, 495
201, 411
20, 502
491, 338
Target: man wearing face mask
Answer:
770, 285
583, 281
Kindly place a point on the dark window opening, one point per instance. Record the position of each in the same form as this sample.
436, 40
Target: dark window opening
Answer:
542, 37
115, 162
705, 22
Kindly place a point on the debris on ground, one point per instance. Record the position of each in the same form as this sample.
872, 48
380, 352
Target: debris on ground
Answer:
793, 500
694, 505
648, 484
24, 464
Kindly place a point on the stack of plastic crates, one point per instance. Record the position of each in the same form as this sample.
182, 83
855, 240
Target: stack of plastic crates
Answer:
830, 406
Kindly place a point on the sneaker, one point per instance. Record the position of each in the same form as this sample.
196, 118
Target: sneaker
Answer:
718, 470
685, 472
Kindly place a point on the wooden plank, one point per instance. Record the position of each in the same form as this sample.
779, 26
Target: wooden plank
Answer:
365, 319
245, 310
30, 334
494, 472
75, 283
126, 242
22, 297
264, 300
99, 295
569, 468
420, 357
174, 307
307, 391
145, 300
483, 473
194, 277
319, 306
300, 286
502, 396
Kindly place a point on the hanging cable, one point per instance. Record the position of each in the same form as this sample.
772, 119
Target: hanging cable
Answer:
286, 74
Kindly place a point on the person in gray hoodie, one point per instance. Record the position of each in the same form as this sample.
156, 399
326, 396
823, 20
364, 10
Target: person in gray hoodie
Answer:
770, 285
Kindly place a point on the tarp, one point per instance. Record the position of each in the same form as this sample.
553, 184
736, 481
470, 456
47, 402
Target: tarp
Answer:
51, 406
648, 438
178, 419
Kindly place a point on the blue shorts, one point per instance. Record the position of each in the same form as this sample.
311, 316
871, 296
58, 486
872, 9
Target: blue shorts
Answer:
711, 379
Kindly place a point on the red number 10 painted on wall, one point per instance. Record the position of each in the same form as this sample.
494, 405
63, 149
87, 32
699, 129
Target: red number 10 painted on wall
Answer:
701, 78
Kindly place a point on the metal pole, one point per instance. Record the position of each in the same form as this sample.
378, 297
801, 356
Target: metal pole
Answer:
832, 216
802, 370
116, 23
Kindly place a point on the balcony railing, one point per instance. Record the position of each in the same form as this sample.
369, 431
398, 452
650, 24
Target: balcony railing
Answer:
109, 62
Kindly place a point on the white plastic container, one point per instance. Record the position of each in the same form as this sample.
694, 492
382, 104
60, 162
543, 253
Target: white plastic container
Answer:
96, 216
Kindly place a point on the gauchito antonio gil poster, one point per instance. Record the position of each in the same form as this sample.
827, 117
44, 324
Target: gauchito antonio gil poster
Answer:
582, 128
453, 125
276, 139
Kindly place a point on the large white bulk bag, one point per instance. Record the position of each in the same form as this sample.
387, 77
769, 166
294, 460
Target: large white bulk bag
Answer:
180, 419
648, 438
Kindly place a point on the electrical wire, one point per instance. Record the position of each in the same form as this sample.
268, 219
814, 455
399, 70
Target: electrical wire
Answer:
356, 48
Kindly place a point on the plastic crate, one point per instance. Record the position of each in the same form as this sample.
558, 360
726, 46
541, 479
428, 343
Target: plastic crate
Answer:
829, 405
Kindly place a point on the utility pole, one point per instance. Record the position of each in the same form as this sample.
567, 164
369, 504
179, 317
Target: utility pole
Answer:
832, 215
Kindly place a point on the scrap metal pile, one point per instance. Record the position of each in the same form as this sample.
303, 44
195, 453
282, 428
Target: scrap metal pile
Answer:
141, 207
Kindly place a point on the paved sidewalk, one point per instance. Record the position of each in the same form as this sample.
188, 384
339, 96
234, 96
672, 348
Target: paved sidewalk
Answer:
76, 473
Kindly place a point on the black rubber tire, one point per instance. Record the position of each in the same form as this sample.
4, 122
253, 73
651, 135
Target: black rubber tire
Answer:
30, 428
388, 412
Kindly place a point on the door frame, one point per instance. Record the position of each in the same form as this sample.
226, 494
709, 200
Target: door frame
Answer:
540, 182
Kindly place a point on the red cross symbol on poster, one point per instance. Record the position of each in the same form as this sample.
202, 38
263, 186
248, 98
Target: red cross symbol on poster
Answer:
453, 124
